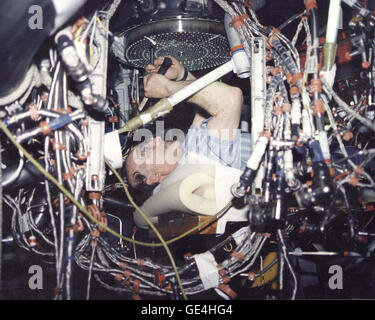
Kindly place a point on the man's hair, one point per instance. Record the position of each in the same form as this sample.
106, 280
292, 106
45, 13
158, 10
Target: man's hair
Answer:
140, 180
139, 193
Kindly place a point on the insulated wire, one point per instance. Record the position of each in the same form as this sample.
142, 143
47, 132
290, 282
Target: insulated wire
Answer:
290, 20
90, 272
63, 189
283, 247
84, 210
103, 26
156, 232
208, 221
153, 227
346, 108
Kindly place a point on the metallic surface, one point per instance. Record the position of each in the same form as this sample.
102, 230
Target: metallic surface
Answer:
197, 43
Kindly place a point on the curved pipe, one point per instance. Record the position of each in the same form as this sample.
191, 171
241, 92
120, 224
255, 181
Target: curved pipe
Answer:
117, 203
240, 59
24, 26
29, 175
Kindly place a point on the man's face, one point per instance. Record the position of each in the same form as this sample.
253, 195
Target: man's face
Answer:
150, 162
150, 154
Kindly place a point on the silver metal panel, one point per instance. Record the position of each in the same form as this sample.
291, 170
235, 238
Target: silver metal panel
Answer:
95, 163
258, 100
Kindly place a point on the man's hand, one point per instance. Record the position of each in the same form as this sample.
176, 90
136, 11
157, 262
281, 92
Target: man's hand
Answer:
175, 71
221, 101
157, 86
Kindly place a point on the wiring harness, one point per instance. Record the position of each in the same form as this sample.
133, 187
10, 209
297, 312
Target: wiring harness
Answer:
306, 154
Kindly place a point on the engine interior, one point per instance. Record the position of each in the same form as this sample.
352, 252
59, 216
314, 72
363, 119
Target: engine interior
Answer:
297, 223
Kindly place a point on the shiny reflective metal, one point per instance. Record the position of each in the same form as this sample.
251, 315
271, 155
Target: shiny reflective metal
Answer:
196, 43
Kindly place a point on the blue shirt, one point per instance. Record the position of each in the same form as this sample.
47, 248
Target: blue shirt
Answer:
232, 153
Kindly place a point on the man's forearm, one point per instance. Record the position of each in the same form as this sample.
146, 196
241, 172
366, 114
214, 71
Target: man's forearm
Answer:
221, 101
211, 98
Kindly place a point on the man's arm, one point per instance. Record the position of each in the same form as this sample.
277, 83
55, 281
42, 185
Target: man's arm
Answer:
221, 101
175, 72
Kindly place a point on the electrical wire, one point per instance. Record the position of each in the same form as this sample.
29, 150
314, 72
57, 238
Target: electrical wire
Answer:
90, 271
84, 210
285, 253
346, 108
67, 193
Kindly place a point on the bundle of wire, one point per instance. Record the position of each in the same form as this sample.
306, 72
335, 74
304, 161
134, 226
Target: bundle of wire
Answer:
296, 103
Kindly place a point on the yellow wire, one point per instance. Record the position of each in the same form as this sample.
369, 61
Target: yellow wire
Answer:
152, 227
90, 52
102, 25
84, 210
78, 34
63, 189
202, 224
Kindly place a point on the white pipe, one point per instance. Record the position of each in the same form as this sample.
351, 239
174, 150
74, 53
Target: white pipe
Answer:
333, 21
324, 146
296, 111
350, 3
306, 125
241, 61
165, 105
200, 83
288, 166
257, 154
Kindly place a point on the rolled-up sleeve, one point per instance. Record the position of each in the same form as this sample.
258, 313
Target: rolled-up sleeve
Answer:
232, 153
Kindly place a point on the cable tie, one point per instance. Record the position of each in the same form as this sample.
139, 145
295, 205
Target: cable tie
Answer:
113, 119
315, 85
299, 75
248, 4
140, 262
74, 228
94, 196
226, 279
136, 285
68, 175
82, 157
237, 255
104, 221
62, 110
359, 170
123, 265
354, 181
33, 108
159, 278
44, 125
275, 71
277, 110
310, 4
318, 107
118, 277
238, 21
95, 233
